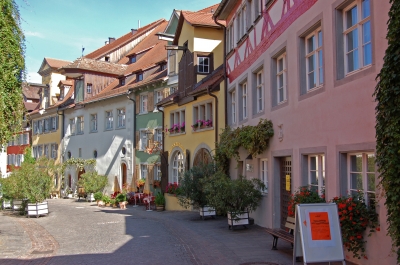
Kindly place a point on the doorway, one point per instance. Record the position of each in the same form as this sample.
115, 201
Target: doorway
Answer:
124, 175
285, 187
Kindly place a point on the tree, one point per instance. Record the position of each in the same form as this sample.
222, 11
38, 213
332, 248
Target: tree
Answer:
12, 65
387, 127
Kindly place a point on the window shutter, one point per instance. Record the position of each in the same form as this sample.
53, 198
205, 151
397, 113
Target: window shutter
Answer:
150, 174
150, 102
56, 122
164, 170
166, 92
137, 139
150, 143
187, 162
137, 104
136, 177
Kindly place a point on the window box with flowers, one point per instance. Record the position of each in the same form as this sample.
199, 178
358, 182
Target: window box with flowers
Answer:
172, 192
202, 124
176, 129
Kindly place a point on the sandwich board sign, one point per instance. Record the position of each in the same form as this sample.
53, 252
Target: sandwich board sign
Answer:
317, 233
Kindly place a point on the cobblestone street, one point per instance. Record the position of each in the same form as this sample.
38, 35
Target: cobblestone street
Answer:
82, 233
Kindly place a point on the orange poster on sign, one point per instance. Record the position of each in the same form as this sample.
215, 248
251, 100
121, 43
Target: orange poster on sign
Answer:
320, 229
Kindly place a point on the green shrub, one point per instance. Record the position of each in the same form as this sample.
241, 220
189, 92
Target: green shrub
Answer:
121, 197
92, 182
160, 199
98, 196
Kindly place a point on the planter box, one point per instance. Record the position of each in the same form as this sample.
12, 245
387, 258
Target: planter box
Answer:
16, 204
37, 209
90, 197
6, 205
172, 203
240, 219
207, 211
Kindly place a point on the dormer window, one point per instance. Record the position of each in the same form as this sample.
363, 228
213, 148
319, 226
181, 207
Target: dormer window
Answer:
139, 77
61, 96
122, 81
107, 58
89, 88
133, 59
163, 66
203, 65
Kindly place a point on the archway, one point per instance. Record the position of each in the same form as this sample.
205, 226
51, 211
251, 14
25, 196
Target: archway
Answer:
124, 175
177, 166
202, 156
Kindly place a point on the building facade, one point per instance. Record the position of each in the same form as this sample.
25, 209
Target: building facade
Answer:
308, 66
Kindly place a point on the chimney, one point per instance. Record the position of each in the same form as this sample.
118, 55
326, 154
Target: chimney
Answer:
138, 24
133, 31
106, 42
111, 40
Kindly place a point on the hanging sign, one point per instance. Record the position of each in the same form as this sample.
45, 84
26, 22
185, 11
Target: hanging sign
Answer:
287, 182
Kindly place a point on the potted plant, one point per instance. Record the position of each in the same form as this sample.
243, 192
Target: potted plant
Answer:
192, 189
160, 202
304, 195
121, 200
98, 196
235, 197
113, 203
107, 200
92, 182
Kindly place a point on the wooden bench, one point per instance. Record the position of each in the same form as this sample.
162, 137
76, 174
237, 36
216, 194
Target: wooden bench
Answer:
283, 234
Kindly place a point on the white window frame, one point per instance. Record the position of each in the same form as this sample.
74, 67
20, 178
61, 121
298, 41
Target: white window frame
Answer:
177, 167
139, 77
25, 138
158, 136
264, 173
177, 117
143, 171
53, 122
144, 103
230, 43
157, 171
364, 175
233, 106
159, 96
93, 122
358, 26
109, 120
34, 152
281, 85
80, 122
39, 151
314, 53
121, 118
244, 91
53, 151
203, 111
46, 125
143, 139
72, 126
89, 88
319, 172
46, 150
203, 64
259, 90
40, 125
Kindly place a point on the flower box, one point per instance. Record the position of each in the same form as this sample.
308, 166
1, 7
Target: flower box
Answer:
16, 204
241, 218
172, 203
6, 204
37, 209
207, 211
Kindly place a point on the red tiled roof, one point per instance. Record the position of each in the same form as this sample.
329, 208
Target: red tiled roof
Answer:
97, 54
65, 99
68, 82
29, 106
31, 90
96, 66
56, 63
203, 17
169, 99
210, 9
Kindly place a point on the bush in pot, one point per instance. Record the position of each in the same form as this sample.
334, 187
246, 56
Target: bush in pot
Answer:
121, 198
159, 201
92, 182
233, 196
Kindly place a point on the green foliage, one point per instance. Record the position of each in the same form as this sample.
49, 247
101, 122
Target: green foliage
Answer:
92, 182
235, 196
28, 158
192, 185
98, 195
121, 197
355, 217
304, 195
12, 67
106, 199
160, 199
387, 93
79, 163
255, 139
33, 181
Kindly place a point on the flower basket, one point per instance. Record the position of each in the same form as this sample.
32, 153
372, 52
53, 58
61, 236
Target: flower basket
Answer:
156, 183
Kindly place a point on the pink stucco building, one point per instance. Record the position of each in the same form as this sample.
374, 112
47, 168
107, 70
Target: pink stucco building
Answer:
310, 67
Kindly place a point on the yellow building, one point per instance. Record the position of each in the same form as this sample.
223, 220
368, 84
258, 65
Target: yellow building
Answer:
46, 120
194, 113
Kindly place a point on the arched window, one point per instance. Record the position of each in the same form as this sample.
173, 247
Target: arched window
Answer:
177, 167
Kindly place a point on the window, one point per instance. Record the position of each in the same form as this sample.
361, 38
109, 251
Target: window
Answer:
109, 120
357, 35
203, 112
35, 127
46, 125
54, 148
143, 171
46, 150
243, 100
143, 103
46, 97
53, 123
72, 126
172, 63
316, 173
143, 140
230, 38
281, 78
61, 96
314, 63
25, 138
361, 175
35, 152
133, 59
18, 160
40, 125
157, 172
264, 173
159, 136
121, 118
93, 122
203, 65
122, 81
177, 117
80, 124
258, 92
89, 88
177, 167
241, 22
139, 77
233, 106
159, 96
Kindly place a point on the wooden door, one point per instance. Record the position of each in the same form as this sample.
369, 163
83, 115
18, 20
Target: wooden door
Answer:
286, 170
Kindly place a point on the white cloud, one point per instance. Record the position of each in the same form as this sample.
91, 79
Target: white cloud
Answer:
33, 77
33, 34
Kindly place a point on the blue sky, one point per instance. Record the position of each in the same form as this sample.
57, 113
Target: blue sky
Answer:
59, 28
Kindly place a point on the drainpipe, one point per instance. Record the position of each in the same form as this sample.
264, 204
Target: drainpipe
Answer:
62, 141
225, 76
162, 126
216, 114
